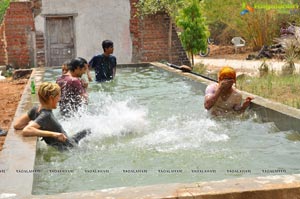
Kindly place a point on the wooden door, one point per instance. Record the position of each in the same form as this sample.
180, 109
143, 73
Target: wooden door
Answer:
60, 40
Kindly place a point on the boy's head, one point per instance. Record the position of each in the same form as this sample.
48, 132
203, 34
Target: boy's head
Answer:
78, 62
78, 66
65, 67
48, 90
108, 46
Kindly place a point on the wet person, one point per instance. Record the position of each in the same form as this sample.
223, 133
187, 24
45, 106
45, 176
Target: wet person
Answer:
222, 98
65, 71
105, 63
39, 121
73, 89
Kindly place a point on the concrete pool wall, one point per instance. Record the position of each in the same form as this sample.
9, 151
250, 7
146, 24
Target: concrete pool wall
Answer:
19, 152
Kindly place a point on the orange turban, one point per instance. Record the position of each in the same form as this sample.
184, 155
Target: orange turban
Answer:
227, 72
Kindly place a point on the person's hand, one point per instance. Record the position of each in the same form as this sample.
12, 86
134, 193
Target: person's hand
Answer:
84, 83
249, 99
90, 78
226, 84
247, 102
61, 137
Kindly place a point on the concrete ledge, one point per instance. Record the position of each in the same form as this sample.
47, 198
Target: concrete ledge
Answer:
283, 187
19, 152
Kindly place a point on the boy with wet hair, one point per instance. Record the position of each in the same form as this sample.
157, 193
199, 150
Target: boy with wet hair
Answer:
105, 63
40, 121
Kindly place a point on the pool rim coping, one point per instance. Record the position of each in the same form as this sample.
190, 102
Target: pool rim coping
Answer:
14, 137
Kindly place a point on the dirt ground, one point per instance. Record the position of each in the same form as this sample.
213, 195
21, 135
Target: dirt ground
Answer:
11, 92
228, 52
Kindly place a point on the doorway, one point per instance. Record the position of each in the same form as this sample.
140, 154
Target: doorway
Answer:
59, 39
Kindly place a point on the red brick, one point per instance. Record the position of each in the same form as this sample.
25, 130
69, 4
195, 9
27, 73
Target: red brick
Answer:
18, 20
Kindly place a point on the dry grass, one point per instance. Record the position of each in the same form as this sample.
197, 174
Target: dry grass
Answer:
283, 89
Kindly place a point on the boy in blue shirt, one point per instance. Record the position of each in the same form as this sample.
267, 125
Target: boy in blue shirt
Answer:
105, 63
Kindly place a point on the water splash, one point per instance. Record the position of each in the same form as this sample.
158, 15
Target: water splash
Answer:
179, 133
108, 117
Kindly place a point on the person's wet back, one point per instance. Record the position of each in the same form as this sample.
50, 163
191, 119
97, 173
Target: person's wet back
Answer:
222, 98
40, 121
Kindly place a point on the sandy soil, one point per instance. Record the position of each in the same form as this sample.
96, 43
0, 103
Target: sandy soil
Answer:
227, 52
11, 92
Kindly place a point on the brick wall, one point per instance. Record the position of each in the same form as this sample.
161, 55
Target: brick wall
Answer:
19, 27
150, 39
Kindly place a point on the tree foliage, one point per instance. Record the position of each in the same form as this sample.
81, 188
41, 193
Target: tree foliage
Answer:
194, 30
3, 6
171, 7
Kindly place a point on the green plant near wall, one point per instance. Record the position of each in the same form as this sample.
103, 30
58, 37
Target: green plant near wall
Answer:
194, 30
199, 68
3, 6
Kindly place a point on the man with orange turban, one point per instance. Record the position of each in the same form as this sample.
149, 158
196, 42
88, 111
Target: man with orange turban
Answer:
222, 98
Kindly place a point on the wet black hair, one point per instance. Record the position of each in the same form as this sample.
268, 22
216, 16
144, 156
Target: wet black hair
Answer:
77, 62
107, 44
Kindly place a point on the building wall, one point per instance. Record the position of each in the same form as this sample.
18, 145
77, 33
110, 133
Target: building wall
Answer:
17, 36
136, 39
95, 21
150, 35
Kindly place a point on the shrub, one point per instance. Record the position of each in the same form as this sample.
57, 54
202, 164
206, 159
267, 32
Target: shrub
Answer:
3, 6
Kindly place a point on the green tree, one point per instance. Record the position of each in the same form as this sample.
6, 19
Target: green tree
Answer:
171, 7
194, 30
153, 6
3, 6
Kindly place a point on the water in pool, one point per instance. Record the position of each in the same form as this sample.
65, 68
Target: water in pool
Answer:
149, 127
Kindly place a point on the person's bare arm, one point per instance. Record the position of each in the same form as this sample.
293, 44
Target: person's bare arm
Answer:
33, 129
244, 106
21, 122
211, 99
